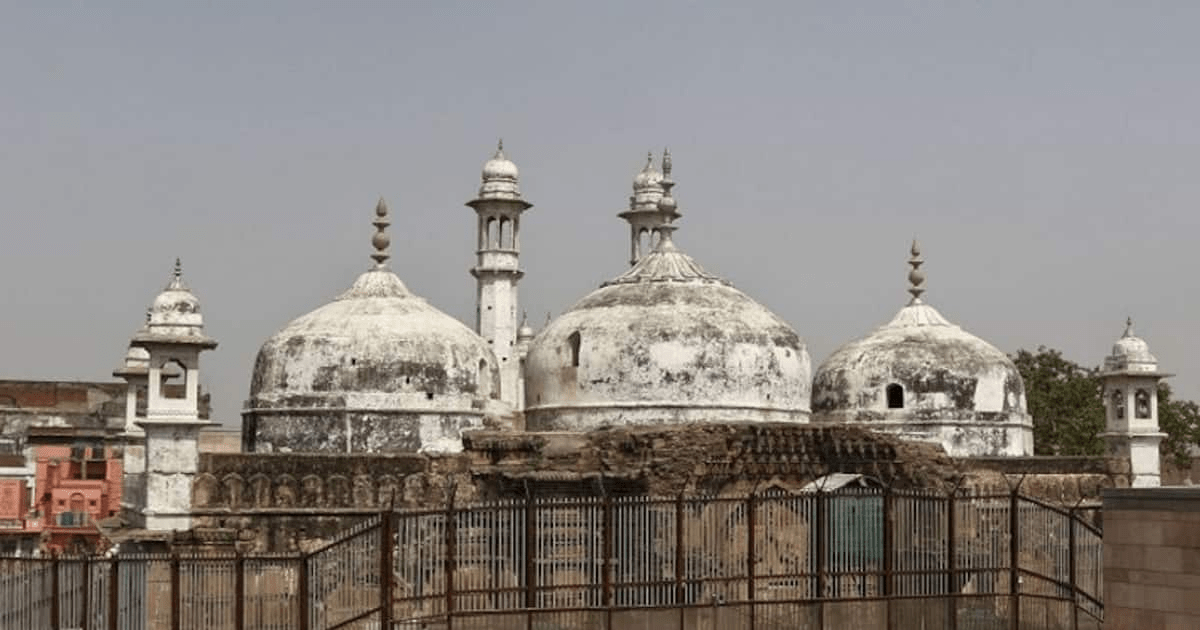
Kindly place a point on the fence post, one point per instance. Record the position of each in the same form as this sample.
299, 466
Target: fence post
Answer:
85, 609
1014, 552
239, 591
176, 595
54, 600
679, 558
751, 508
822, 554
114, 595
951, 560
451, 559
302, 592
606, 567
888, 535
530, 563
387, 534
1071, 575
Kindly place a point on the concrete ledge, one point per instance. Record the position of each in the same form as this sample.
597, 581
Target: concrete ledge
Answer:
1170, 499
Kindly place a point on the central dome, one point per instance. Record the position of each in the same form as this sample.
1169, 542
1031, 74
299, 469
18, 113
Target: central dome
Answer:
376, 369
665, 342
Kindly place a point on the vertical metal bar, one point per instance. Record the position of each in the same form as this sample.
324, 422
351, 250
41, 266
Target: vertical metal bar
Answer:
1071, 575
822, 547
239, 594
888, 567
1014, 557
387, 534
530, 563
951, 560
451, 552
751, 508
114, 596
302, 592
606, 566
176, 596
679, 568
86, 622
54, 588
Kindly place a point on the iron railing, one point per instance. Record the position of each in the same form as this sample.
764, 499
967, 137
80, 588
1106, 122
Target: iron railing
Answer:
860, 558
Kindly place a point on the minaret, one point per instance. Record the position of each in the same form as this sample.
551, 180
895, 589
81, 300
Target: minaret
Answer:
644, 214
135, 369
497, 272
174, 338
1131, 379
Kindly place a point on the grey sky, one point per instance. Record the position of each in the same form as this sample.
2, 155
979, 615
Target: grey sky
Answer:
1045, 154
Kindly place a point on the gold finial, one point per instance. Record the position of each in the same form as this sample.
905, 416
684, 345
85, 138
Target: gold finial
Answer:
381, 240
915, 276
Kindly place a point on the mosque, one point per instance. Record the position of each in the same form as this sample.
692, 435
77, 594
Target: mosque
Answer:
666, 342
380, 369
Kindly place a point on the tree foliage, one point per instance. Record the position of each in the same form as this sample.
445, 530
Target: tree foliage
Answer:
1180, 420
1066, 402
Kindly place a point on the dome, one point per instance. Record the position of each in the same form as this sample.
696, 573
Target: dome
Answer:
174, 316
376, 369
376, 344
923, 377
1131, 352
665, 342
500, 177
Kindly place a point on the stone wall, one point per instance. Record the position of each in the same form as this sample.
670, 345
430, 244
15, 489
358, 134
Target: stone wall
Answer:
1152, 558
282, 502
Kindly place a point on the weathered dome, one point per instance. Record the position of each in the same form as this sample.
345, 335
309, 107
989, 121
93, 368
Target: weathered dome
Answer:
499, 177
1131, 352
377, 369
176, 310
665, 342
923, 377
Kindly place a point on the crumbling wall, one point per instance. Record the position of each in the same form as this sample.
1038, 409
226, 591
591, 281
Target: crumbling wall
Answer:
289, 502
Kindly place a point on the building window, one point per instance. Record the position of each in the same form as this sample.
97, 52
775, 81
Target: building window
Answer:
895, 396
1141, 404
1118, 403
574, 340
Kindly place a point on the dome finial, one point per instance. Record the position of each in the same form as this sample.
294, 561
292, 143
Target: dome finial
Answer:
1128, 327
666, 203
176, 282
915, 277
500, 148
380, 240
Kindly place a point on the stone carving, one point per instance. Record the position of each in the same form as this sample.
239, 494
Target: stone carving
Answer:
285, 491
313, 491
235, 488
339, 494
205, 490
364, 495
387, 491
1118, 403
260, 491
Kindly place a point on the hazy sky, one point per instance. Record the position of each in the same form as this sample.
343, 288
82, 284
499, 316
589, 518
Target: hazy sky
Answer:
1046, 154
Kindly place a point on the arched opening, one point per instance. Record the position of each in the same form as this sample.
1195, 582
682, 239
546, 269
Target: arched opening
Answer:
644, 240
574, 341
1141, 404
174, 380
895, 396
484, 380
493, 239
1118, 403
505, 234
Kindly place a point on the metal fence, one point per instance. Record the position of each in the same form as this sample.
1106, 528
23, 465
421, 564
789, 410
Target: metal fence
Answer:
852, 558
